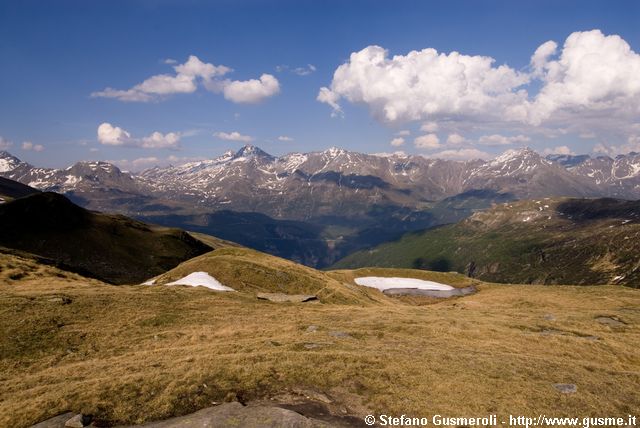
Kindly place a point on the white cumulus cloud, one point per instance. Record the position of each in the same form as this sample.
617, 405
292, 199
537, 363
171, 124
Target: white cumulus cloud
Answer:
428, 141
233, 136
632, 144
502, 140
455, 139
424, 84
186, 79
559, 150
158, 140
429, 127
251, 91
4, 143
590, 83
397, 142
29, 146
111, 135
594, 74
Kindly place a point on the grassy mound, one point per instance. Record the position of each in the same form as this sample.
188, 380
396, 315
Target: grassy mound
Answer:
251, 271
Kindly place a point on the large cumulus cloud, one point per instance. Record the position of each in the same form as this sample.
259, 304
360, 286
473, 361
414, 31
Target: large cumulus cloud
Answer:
589, 84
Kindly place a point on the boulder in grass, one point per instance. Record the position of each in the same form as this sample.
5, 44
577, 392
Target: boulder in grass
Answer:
566, 388
281, 297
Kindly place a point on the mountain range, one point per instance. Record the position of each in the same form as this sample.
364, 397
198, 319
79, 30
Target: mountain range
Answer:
335, 201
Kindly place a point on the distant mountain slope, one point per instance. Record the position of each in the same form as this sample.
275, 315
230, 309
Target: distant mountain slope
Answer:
111, 248
548, 241
315, 208
525, 174
10, 189
330, 183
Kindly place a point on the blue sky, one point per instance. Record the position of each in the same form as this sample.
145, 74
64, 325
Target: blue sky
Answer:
56, 54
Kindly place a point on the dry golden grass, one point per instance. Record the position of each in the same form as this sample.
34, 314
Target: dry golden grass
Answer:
251, 271
17, 266
130, 354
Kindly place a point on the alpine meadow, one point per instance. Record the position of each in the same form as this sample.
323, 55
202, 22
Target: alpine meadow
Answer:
317, 214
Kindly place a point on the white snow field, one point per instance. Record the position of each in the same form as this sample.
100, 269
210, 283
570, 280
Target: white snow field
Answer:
202, 279
382, 283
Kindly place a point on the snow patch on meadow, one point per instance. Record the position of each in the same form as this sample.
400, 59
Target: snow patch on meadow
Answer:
201, 279
382, 283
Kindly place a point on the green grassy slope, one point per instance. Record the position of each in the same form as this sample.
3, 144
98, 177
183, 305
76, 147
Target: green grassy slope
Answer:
560, 241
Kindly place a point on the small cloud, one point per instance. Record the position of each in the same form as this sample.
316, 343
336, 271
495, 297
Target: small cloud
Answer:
428, 141
233, 136
300, 71
455, 139
170, 61
632, 145
397, 142
398, 153
94, 149
403, 133
285, 138
29, 146
4, 143
429, 127
251, 91
158, 140
501, 140
304, 71
587, 135
560, 150
110, 135
461, 154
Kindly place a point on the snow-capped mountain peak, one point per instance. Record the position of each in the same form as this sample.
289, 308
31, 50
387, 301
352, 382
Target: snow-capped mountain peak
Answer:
8, 162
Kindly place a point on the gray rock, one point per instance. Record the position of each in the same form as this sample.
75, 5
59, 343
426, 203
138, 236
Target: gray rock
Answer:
442, 294
611, 321
566, 388
281, 297
78, 421
316, 345
549, 317
63, 300
236, 415
312, 329
55, 422
340, 335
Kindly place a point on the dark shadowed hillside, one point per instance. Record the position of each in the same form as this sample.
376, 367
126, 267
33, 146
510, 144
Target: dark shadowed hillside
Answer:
10, 189
112, 248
